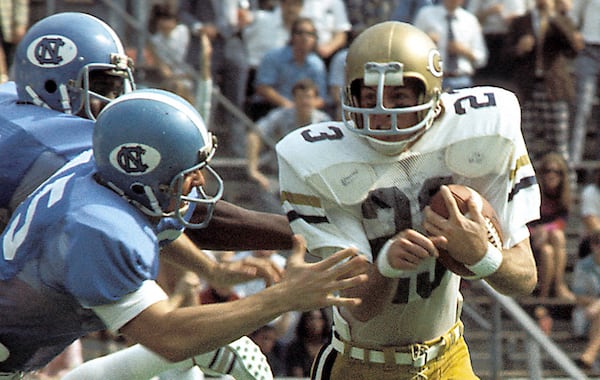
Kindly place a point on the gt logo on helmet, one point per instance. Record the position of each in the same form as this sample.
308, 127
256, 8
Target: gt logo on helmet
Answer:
135, 159
434, 63
51, 51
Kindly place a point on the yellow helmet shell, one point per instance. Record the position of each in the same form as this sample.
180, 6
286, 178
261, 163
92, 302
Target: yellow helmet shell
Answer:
397, 42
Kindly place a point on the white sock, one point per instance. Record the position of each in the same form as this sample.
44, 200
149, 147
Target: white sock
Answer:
132, 363
139, 363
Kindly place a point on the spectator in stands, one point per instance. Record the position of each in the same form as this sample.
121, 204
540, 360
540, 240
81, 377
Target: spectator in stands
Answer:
406, 10
458, 34
538, 45
587, 72
586, 315
217, 293
281, 68
336, 82
590, 212
335, 76
14, 21
365, 13
262, 163
169, 43
548, 233
269, 29
495, 16
330, 18
3, 66
313, 330
222, 22
252, 287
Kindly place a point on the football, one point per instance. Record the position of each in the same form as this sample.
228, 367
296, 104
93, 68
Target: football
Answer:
461, 195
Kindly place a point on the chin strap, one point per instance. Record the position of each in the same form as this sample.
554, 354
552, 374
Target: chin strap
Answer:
65, 101
35, 98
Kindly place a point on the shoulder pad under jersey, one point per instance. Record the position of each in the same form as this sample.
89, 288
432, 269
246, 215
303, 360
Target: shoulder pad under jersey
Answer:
334, 161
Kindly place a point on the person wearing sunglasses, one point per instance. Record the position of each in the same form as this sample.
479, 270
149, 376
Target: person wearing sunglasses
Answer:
548, 232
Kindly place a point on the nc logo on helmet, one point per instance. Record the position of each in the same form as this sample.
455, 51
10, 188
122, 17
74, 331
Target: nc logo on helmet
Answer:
51, 51
134, 159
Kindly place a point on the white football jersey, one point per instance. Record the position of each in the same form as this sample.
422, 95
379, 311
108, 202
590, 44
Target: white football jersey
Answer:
338, 192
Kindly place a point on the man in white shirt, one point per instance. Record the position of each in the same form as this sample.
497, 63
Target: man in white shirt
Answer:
331, 20
465, 45
586, 14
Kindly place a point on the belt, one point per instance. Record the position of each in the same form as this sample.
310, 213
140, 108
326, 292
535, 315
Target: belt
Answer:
416, 355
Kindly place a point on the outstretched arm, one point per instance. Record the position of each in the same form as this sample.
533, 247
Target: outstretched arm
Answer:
177, 334
185, 254
234, 228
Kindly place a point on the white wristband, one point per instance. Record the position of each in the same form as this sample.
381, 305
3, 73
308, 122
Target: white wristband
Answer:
383, 265
489, 264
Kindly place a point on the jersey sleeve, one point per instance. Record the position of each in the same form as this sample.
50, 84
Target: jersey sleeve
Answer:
523, 197
116, 314
107, 261
484, 126
325, 225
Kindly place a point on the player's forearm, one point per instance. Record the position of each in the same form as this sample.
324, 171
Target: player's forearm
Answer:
184, 332
236, 228
517, 274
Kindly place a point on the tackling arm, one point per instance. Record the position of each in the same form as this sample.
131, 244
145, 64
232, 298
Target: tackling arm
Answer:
177, 334
184, 253
236, 228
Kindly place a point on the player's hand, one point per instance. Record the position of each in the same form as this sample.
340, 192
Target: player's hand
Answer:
409, 249
229, 273
313, 286
465, 238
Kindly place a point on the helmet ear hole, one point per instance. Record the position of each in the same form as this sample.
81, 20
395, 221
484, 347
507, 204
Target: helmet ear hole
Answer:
50, 86
137, 188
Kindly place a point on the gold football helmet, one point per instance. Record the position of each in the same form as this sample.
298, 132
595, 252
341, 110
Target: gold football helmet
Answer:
385, 55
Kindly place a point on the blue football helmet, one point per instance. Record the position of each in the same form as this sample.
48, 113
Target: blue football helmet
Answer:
145, 142
63, 61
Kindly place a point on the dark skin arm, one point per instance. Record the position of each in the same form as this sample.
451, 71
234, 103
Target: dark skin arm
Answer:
234, 228
185, 254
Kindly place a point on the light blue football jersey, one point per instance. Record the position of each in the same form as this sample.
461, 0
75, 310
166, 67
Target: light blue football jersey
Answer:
34, 143
72, 244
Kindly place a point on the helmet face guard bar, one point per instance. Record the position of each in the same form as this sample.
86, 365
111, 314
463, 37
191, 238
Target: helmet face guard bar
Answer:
121, 66
380, 75
203, 198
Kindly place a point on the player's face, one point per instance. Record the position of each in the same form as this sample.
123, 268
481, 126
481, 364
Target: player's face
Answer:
190, 181
109, 86
393, 97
